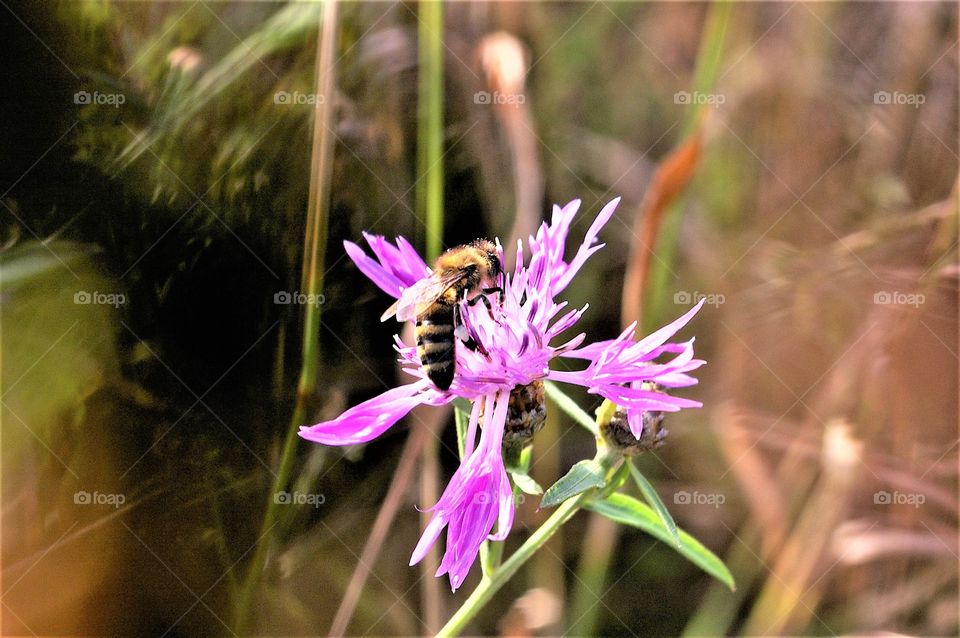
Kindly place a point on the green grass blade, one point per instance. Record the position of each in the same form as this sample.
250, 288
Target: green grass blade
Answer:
430, 124
709, 57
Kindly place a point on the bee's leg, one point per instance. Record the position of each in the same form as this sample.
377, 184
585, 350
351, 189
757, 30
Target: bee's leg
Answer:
459, 328
496, 289
486, 302
460, 331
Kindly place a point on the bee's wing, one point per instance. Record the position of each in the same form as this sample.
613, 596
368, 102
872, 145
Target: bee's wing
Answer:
415, 300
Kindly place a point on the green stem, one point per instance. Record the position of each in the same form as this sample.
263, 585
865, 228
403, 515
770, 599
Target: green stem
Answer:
491, 554
494, 576
489, 585
461, 417
599, 541
430, 124
704, 78
708, 58
220, 541
318, 209
568, 405
429, 198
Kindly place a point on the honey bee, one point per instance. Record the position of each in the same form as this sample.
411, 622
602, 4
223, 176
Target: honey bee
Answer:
465, 273
618, 432
526, 413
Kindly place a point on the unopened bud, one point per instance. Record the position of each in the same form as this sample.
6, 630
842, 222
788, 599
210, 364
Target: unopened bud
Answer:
526, 414
618, 435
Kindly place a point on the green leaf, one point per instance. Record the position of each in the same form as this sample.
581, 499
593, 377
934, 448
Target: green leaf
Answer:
570, 406
581, 477
59, 345
651, 496
526, 484
629, 511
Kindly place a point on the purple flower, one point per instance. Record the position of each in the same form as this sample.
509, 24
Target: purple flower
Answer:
478, 495
517, 336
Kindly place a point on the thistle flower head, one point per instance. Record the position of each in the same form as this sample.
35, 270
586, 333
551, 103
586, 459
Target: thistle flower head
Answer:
519, 338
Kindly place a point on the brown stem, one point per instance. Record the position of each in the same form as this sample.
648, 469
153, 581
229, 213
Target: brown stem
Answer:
670, 179
388, 512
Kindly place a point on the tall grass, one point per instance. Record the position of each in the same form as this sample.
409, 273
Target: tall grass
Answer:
315, 246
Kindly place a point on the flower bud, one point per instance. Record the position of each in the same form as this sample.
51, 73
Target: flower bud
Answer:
617, 433
526, 413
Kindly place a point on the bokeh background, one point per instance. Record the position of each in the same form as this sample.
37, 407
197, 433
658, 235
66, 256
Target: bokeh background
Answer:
155, 184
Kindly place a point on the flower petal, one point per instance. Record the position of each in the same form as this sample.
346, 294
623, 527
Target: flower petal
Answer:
427, 539
587, 248
660, 336
373, 417
478, 496
385, 280
412, 260
401, 260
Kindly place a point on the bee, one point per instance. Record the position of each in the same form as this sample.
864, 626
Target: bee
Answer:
465, 273
526, 413
618, 432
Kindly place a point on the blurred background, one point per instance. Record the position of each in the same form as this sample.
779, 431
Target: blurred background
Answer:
794, 163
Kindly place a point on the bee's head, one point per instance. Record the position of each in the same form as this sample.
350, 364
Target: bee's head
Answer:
492, 255
496, 268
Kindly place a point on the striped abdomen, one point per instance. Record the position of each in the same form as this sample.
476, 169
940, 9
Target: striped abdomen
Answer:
436, 343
